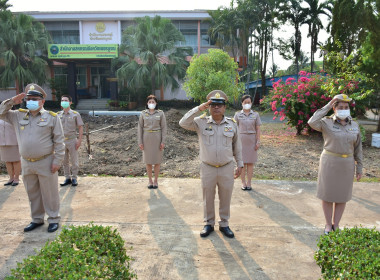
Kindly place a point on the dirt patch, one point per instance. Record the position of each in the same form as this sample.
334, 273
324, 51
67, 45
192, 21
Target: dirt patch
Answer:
283, 155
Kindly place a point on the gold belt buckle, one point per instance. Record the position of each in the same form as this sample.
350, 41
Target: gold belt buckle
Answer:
344, 156
217, 166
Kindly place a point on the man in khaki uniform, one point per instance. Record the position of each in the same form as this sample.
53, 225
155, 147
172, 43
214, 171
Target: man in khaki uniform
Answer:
71, 120
40, 138
219, 143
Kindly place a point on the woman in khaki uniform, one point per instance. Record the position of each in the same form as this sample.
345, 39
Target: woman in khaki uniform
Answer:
9, 152
249, 123
151, 138
342, 148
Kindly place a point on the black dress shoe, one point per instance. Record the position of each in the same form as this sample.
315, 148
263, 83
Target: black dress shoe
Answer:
8, 183
207, 229
32, 226
53, 227
74, 182
227, 232
66, 182
14, 184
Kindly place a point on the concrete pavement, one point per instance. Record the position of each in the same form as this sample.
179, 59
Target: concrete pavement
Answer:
276, 226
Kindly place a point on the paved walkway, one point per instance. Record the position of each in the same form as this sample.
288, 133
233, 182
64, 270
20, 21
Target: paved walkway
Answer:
276, 226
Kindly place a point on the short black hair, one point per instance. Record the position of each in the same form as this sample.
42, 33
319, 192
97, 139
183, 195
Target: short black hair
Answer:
68, 96
149, 98
244, 97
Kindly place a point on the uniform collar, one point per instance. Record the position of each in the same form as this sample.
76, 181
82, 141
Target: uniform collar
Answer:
335, 119
211, 120
250, 112
148, 112
68, 112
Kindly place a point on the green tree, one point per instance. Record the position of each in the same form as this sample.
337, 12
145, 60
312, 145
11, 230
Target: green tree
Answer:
23, 50
291, 11
223, 29
347, 30
150, 55
313, 20
4, 5
215, 70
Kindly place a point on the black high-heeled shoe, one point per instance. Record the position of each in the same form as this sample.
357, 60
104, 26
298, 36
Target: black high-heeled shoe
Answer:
8, 183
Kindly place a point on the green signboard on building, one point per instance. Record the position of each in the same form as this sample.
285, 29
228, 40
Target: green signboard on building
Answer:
63, 51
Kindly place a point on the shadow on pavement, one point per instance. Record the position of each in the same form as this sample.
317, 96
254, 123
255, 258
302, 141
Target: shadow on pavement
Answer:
172, 234
5, 193
233, 268
307, 233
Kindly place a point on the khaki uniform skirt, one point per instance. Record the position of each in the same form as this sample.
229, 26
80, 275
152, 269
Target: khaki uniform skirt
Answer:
9, 153
248, 143
152, 153
335, 178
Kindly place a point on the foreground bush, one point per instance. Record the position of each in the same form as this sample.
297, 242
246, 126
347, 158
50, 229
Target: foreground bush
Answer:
82, 252
349, 254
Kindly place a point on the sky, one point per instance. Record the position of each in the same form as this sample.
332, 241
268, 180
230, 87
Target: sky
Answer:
142, 5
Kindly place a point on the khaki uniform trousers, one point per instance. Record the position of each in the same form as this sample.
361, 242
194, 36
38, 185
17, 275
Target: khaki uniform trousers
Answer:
42, 188
223, 178
71, 157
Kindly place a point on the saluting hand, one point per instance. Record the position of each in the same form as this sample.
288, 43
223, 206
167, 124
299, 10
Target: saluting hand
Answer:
204, 106
54, 168
333, 101
238, 172
18, 98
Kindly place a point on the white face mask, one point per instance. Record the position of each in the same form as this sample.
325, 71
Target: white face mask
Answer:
342, 114
247, 106
151, 106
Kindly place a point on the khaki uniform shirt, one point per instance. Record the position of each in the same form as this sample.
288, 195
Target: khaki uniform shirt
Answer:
339, 139
38, 135
219, 143
151, 122
70, 121
247, 123
7, 134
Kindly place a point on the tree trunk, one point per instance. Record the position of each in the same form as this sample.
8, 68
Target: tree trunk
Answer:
153, 84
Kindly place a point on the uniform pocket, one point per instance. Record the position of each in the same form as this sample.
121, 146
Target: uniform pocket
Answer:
208, 137
227, 138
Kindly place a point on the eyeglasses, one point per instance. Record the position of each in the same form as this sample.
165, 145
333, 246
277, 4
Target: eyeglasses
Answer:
217, 105
32, 99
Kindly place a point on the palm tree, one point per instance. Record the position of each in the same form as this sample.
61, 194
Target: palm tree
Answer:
150, 55
224, 29
291, 10
314, 22
23, 49
4, 5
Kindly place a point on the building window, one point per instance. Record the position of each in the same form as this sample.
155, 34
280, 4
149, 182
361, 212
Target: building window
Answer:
81, 77
63, 32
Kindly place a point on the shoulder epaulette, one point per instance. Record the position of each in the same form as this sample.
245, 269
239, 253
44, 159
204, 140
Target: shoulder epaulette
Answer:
75, 112
53, 114
231, 119
159, 110
203, 115
23, 110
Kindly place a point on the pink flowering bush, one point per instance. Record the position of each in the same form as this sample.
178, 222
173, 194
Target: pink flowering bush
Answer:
298, 100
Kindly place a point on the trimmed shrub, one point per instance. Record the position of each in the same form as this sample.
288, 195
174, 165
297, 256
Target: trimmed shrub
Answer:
82, 252
349, 254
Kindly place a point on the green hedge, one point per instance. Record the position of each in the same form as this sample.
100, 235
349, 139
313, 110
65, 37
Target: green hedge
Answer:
82, 252
349, 254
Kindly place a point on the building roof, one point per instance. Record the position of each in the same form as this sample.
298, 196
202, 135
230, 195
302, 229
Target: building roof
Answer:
117, 15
